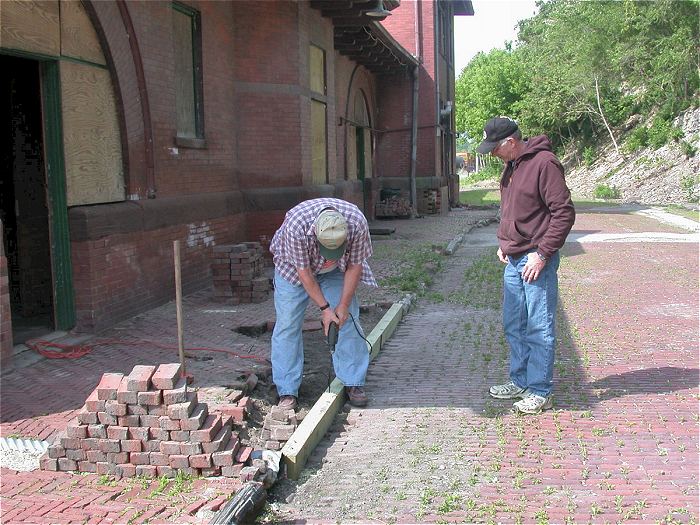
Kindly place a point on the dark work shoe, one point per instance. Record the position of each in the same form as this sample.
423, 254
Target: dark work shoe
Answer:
287, 402
356, 396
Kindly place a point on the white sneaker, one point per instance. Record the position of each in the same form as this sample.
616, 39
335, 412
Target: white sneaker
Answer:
508, 390
533, 404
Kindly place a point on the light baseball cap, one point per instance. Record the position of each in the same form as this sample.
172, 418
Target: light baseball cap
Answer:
332, 234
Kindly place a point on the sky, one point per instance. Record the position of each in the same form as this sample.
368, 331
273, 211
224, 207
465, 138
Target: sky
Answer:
493, 23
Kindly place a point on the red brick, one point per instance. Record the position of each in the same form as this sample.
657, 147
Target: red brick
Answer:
170, 447
246, 403
126, 470
107, 389
159, 459
76, 454
87, 418
196, 419
180, 410
136, 410
126, 396
231, 471
189, 448
243, 454
180, 435
115, 408
117, 457
147, 471
103, 468
139, 379
210, 472
97, 431
179, 461
152, 397
219, 442
140, 458
177, 394
150, 421
94, 403
96, 456
109, 445
200, 461
167, 376
74, 443
56, 451
168, 424
87, 466
128, 421
157, 410
131, 445
91, 444
235, 412
227, 456
151, 445
140, 433
107, 419
208, 431
48, 464
67, 464
165, 471
117, 432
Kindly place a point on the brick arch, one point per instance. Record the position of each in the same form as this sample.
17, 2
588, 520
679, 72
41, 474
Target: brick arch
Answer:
112, 22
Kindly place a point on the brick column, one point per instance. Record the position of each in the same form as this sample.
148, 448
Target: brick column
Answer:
5, 315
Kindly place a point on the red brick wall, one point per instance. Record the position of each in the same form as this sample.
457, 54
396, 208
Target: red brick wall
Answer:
120, 275
5, 315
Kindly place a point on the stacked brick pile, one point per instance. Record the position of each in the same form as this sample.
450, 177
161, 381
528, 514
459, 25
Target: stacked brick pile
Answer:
237, 271
278, 427
429, 201
394, 206
148, 424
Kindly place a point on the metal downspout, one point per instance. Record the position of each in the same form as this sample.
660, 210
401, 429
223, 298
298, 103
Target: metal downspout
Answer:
417, 9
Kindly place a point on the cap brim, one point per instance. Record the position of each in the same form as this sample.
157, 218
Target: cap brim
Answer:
486, 147
332, 255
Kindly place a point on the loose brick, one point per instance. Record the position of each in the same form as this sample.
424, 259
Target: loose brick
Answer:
211, 472
181, 410
170, 447
243, 454
77, 431
56, 451
107, 419
117, 432
48, 463
140, 458
96, 456
200, 461
110, 445
180, 435
139, 379
94, 403
140, 433
115, 408
219, 442
208, 431
152, 397
131, 445
245, 403
238, 414
126, 396
227, 456
117, 457
67, 464
87, 466
189, 448
69, 443
107, 389
281, 432
165, 471
97, 431
76, 454
103, 468
196, 419
150, 421
129, 421
157, 410
167, 376
169, 424
147, 471
160, 459
177, 394
137, 410
179, 461
91, 444
126, 470
158, 434
87, 418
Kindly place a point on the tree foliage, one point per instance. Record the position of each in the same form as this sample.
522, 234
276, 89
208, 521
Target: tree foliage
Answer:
581, 67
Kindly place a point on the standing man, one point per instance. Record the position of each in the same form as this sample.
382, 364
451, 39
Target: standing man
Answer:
320, 252
536, 216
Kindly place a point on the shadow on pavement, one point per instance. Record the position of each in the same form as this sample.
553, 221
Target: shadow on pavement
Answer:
663, 380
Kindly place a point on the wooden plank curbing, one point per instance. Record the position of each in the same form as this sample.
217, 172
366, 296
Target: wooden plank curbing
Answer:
314, 426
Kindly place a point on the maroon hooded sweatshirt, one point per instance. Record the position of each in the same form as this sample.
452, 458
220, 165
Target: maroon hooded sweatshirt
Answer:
536, 208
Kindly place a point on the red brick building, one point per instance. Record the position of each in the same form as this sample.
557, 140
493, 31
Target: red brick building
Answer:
130, 124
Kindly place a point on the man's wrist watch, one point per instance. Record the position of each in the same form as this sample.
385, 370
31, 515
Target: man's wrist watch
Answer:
322, 308
542, 257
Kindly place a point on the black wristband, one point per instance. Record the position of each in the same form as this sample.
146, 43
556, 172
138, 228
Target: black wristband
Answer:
327, 305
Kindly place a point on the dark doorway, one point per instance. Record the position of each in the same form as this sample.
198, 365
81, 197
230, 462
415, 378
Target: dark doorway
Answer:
23, 199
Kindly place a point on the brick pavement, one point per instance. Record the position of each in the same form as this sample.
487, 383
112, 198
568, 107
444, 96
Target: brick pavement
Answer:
620, 446
39, 400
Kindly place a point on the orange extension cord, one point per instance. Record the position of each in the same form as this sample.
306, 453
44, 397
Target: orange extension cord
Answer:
53, 350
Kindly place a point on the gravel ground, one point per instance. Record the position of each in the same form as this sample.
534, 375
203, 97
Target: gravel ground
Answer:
19, 460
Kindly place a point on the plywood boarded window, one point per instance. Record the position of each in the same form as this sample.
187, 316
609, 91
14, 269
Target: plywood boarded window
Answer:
319, 134
187, 42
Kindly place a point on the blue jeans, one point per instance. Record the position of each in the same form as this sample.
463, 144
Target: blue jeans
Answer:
351, 356
529, 310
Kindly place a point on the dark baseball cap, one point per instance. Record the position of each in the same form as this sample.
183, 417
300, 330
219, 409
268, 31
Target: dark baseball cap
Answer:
495, 130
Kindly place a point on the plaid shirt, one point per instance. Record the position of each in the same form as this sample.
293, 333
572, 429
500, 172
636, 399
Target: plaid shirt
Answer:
295, 245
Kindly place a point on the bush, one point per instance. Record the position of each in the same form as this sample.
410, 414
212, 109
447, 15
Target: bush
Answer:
689, 185
606, 192
488, 172
638, 139
589, 155
689, 150
661, 132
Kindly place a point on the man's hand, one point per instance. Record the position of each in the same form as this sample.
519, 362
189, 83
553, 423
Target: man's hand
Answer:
502, 257
343, 312
533, 267
328, 316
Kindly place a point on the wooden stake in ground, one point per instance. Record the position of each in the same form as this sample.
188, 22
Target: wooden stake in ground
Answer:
178, 306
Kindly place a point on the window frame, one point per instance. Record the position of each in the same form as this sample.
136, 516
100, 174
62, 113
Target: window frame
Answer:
197, 77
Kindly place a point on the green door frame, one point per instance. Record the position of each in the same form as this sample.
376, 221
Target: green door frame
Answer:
61, 268
64, 303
